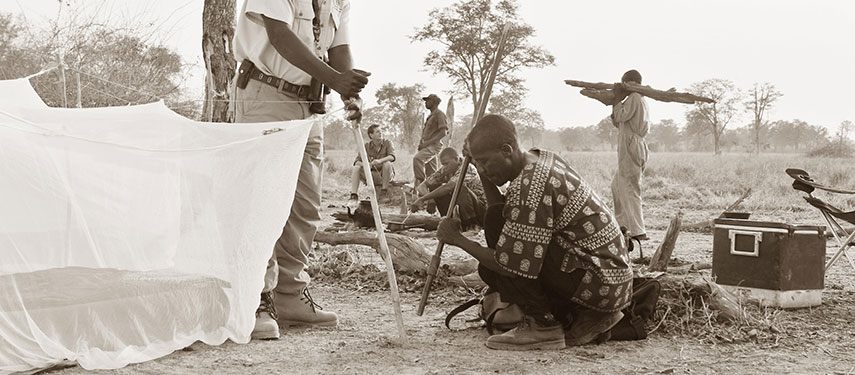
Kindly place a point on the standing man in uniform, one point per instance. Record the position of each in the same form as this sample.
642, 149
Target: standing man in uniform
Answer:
436, 128
283, 46
630, 116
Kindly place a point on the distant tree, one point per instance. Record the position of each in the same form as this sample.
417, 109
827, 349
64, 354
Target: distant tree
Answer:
714, 116
664, 135
529, 122
607, 132
116, 68
218, 28
467, 34
797, 135
761, 98
843, 131
406, 111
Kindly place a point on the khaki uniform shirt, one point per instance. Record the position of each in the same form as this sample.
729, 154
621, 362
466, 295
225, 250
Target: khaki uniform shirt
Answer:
435, 123
251, 42
378, 150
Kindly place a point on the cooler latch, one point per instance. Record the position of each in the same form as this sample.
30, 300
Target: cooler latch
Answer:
738, 239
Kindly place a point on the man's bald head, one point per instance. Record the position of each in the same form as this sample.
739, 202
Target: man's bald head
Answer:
490, 133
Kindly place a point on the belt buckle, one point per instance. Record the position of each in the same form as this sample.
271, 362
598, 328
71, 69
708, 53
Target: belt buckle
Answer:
279, 87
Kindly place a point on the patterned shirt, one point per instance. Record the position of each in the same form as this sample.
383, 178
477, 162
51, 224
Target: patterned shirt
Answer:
472, 180
549, 208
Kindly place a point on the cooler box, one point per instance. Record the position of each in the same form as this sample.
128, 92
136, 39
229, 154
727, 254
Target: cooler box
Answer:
778, 264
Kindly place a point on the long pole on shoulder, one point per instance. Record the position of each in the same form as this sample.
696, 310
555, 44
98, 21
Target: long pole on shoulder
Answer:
381, 234
482, 108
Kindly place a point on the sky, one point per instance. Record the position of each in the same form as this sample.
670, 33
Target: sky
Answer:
804, 48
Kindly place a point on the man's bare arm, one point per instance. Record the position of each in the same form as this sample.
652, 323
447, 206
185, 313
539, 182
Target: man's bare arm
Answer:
347, 83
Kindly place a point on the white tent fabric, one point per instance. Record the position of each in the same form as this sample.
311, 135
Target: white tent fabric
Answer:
127, 233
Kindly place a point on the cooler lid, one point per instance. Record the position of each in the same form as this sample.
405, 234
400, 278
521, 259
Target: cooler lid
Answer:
756, 224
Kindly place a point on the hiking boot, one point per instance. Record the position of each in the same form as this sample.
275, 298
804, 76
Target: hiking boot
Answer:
266, 327
354, 197
530, 335
301, 311
589, 325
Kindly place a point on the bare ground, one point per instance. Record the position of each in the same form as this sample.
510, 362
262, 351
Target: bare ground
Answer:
805, 341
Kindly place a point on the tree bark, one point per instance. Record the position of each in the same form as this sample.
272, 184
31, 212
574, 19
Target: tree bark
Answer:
598, 90
407, 254
217, 32
660, 259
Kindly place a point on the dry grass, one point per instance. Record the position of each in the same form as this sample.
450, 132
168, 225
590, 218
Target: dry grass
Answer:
698, 184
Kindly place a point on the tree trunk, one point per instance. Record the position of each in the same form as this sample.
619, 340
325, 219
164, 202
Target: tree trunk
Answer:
716, 138
217, 32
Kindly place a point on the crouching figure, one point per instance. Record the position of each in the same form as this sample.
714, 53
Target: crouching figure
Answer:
553, 246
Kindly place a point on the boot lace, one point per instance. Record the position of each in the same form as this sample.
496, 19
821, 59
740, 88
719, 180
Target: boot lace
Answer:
266, 305
307, 299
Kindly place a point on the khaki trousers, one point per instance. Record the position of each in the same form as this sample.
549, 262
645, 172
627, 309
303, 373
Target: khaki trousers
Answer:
286, 269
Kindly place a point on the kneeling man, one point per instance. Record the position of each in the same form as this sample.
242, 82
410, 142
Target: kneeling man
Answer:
554, 248
438, 189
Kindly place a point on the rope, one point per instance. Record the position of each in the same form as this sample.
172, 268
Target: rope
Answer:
41, 72
50, 132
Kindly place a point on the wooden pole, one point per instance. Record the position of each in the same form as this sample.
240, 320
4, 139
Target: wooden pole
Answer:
62, 81
602, 91
437, 256
381, 234
77, 79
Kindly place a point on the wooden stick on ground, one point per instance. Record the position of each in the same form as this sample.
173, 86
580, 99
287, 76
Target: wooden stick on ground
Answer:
706, 224
485, 97
660, 259
603, 91
384, 247
407, 254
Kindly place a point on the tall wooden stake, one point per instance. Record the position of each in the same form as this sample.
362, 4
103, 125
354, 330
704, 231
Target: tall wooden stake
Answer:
381, 234
482, 108
62, 82
77, 79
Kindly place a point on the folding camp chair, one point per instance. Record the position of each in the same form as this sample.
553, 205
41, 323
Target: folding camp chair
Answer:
803, 182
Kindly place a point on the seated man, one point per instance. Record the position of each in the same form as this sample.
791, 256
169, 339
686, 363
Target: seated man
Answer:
381, 154
438, 188
554, 248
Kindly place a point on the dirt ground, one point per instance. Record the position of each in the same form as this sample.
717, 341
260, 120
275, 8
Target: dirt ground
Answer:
806, 341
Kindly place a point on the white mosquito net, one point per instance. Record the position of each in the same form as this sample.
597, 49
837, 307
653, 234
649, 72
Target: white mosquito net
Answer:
129, 232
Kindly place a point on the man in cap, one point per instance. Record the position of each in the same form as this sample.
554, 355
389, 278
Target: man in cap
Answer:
435, 128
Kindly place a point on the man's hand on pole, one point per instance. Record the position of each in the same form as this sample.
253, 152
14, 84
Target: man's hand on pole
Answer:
349, 83
352, 108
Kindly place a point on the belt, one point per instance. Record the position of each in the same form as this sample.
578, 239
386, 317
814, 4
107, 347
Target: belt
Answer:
280, 84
